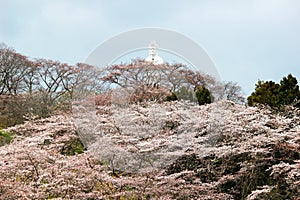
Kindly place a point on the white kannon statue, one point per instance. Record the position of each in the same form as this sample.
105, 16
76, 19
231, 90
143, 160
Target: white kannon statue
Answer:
153, 57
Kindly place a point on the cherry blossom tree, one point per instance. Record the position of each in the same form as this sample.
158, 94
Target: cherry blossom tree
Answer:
256, 155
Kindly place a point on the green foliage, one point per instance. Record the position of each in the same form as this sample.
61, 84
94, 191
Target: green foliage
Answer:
54, 196
185, 94
171, 97
73, 147
45, 181
5, 138
203, 95
289, 90
265, 93
274, 94
128, 188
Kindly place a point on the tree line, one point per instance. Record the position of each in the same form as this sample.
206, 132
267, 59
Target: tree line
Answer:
20, 75
144, 81
38, 87
41, 87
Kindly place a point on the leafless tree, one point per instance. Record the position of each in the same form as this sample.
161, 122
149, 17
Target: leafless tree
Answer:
13, 69
154, 82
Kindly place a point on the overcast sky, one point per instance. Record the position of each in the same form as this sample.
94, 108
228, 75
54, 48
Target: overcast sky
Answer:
247, 39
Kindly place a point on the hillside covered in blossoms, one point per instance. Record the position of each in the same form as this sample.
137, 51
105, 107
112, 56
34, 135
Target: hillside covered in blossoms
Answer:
149, 100
247, 153
143, 131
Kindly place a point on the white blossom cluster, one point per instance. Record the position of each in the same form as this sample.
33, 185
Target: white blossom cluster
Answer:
230, 142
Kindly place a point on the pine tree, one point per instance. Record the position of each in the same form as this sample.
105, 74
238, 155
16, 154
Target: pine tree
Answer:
265, 93
289, 90
274, 94
203, 95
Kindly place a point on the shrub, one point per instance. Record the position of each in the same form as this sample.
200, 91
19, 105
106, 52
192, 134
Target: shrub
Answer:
171, 97
73, 147
5, 138
184, 93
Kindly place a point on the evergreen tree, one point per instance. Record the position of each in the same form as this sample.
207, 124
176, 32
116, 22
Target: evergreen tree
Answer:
274, 94
265, 93
203, 95
289, 90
